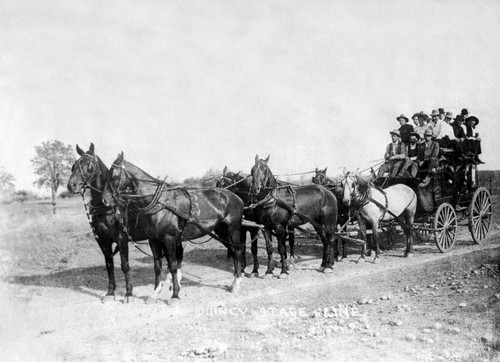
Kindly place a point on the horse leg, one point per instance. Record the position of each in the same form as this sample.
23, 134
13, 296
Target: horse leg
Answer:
369, 244
362, 231
375, 241
170, 247
409, 217
326, 238
107, 251
281, 236
156, 250
344, 252
179, 253
238, 242
269, 249
291, 242
335, 253
123, 246
253, 234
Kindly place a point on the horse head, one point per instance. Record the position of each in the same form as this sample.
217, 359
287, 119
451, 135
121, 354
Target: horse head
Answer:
354, 187
227, 178
320, 177
87, 172
262, 176
119, 182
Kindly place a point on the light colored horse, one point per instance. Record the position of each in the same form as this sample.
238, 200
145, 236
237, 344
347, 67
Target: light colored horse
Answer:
373, 205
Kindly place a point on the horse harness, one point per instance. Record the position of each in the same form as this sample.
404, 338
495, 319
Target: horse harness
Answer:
156, 206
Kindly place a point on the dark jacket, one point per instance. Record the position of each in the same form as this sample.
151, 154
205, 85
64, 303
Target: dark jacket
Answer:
458, 130
405, 131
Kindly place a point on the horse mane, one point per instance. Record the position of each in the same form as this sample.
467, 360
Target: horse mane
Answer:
363, 185
130, 165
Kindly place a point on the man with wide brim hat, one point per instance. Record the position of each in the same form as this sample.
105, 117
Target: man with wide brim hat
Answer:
412, 153
395, 155
436, 123
472, 139
402, 117
405, 128
428, 156
417, 136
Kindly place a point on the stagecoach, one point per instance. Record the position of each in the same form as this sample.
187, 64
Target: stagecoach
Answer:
448, 198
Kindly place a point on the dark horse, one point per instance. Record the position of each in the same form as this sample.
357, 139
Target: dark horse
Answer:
282, 207
89, 172
343, 215
240, 185
176, 214
374, 205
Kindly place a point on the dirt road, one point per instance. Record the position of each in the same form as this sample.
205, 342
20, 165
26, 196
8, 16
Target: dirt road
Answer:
399, 309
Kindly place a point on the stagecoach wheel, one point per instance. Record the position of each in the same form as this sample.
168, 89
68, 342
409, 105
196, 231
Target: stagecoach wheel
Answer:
480, 215
445, 226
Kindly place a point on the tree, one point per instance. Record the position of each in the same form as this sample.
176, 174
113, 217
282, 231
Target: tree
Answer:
52, 162
6, 184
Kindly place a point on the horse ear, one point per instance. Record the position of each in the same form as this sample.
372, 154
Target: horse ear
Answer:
267, 159
238, 173
119, 160
257, 158
91, 149
344, 171
79, 150
324, 171
224, 171
316, 170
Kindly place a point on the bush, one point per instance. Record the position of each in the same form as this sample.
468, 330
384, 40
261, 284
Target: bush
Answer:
66, 195
24, 195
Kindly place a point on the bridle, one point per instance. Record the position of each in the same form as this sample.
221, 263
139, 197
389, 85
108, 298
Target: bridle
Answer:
355, 198
96, 173
116, 192
264, 178
228, 182
320, 179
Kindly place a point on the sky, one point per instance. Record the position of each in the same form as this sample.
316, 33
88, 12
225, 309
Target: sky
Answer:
182, 87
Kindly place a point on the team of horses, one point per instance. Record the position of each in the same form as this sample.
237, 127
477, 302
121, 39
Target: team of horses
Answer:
127, 204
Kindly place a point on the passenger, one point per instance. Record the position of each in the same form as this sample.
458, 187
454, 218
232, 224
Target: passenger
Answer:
473, 141
415, 119
395, 155
435, 124
428, 160
413, 151
441, 114
446, 133
405, 128
421, 128
448, 139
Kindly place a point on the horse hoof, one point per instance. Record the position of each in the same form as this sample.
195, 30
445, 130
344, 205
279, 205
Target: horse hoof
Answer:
408, 255
321, 269
109, 298
328, 270
268, 276
173, 301
283, 276
361, 260
151, 300
376, 260
254, 275
235, 289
